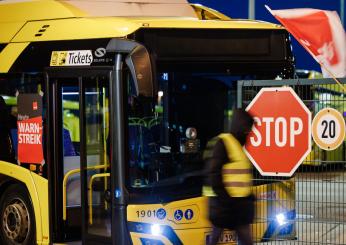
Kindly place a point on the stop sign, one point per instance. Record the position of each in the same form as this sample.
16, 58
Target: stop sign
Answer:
280, 139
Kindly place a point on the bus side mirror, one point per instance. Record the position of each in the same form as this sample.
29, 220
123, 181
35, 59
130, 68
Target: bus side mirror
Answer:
138, 61
139, 64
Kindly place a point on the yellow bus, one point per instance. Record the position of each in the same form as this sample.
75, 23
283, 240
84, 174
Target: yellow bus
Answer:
115, 102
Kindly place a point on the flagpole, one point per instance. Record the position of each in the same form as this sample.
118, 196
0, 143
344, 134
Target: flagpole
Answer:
324, 67
332, 75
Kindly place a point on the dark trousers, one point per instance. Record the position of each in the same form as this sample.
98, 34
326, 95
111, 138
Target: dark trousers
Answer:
243, 233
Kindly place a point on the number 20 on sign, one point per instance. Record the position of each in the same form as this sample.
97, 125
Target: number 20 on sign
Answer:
328, 129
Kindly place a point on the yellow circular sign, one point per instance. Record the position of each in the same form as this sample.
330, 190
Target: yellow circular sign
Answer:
328, 129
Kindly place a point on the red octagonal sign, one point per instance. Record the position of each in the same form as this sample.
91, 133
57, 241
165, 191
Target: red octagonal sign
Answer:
280, 139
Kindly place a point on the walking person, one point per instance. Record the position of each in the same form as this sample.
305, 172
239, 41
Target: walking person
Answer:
229, 178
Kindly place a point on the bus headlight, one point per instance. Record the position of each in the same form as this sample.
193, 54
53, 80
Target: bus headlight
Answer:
281, 219
156, 230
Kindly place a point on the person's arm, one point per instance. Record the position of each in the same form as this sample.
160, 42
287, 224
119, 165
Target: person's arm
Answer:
217, 161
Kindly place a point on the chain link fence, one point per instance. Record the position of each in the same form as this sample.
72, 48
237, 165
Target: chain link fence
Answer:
309, 208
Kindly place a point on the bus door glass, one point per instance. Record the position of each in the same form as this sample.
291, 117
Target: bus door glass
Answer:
70, 136
81, 119
97, 167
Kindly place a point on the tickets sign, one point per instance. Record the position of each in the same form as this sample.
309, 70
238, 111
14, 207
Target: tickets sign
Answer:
71, 58
29, 125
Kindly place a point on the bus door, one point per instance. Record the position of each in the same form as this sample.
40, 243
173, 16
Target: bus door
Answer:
80, 190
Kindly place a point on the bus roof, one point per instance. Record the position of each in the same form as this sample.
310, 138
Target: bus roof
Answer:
19, 10
46, 20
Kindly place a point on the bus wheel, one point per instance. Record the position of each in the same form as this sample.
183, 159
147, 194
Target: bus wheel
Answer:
17, 217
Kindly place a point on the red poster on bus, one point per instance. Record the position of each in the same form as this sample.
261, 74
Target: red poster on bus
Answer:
30, 129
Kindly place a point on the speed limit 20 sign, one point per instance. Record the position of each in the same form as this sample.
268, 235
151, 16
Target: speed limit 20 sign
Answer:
328, 129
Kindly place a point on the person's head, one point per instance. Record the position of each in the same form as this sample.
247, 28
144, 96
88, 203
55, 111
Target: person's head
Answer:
241, 125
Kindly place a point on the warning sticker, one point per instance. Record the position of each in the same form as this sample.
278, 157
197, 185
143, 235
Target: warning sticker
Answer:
30, 130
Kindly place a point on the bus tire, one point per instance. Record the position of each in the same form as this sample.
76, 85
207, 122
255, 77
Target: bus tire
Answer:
17, 221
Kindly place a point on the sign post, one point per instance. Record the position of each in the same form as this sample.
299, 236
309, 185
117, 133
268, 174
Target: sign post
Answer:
281, 137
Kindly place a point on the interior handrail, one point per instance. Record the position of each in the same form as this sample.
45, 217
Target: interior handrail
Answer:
95, 176
64, 189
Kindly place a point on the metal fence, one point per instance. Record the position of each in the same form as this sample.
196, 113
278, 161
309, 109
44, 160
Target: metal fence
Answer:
309, 208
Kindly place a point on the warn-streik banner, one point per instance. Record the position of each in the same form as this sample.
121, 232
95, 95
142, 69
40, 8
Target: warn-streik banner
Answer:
29, 124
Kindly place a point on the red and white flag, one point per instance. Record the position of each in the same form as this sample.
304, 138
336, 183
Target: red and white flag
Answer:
321, 33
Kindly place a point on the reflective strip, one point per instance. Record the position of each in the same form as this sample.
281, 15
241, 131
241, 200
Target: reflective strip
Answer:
236, 174
238, 184
236, 171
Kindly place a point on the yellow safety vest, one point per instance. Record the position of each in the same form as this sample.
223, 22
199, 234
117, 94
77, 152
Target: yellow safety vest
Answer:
236, 174
207, 154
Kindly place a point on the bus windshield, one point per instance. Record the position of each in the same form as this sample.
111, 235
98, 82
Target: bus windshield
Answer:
168, 134
195, 93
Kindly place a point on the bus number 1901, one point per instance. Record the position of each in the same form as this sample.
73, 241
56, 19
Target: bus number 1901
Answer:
146, 213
